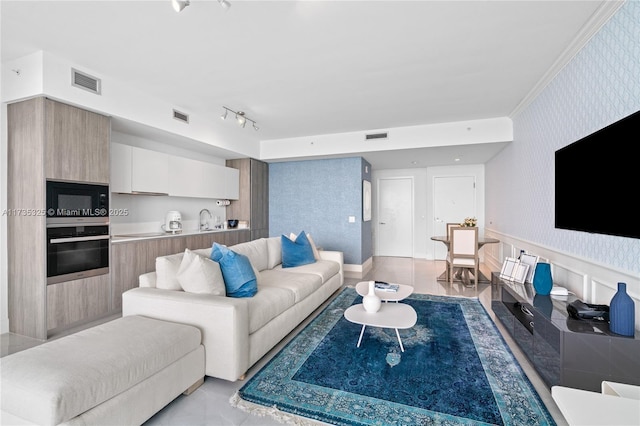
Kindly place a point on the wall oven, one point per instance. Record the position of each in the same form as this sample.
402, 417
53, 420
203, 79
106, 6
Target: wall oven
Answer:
77, 251
73, 202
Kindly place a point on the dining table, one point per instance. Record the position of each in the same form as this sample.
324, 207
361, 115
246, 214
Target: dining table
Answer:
459, 276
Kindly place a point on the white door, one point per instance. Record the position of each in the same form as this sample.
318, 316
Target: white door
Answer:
395, 217
454, 198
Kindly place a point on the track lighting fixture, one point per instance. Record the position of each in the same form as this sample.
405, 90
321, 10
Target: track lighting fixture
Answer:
179, 5
240, 117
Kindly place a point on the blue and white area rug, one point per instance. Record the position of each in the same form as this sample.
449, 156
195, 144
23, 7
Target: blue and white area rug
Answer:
456, 370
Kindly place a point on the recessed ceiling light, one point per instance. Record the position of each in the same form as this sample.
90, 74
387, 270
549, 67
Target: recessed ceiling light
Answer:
456, 159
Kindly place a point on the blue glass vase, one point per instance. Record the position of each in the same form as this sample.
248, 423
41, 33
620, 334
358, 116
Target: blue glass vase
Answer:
542, 281
622, 312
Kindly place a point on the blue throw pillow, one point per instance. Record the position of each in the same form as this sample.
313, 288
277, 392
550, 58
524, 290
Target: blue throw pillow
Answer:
238, 275
298, 252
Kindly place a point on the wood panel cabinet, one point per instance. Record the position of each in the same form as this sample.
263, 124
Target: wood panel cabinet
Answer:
253, 200
77, 301
76, 144
130, 259
47, 139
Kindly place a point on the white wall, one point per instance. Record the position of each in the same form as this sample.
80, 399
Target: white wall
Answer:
423, 215
42, 73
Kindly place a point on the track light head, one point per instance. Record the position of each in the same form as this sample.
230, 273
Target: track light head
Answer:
224, 4
256, 128
242, 120
224, 116
179, 5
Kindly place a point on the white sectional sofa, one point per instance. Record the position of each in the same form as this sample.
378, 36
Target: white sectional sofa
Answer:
237, 332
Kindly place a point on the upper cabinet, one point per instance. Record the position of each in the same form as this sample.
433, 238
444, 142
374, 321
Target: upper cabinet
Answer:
149, 171
76, 144
121, 168
137, 170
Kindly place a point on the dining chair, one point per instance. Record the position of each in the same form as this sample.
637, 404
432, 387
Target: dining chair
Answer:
449, 226
463, 251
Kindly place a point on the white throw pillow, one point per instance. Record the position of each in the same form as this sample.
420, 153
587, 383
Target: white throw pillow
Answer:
197, 274
166, 271
293, 237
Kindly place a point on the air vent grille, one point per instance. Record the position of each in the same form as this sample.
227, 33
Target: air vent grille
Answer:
371, 136
85, 81
181, 116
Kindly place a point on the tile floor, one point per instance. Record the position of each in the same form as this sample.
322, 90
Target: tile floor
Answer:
209, 404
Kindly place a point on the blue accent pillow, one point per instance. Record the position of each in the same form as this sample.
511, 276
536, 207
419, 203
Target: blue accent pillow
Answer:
238, 275
298, 252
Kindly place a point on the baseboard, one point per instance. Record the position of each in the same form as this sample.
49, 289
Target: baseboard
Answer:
358, 271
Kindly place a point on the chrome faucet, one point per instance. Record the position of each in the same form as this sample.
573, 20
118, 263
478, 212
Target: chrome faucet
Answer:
204, 225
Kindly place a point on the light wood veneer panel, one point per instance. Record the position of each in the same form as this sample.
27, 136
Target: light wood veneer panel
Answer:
77, 144
26, 237
77, 301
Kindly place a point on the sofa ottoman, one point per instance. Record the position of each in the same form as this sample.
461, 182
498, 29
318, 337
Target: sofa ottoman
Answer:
121, 372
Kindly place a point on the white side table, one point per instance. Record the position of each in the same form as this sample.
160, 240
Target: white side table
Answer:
390, 315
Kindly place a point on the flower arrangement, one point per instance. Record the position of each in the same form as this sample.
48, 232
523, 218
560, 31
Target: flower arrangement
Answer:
469, 221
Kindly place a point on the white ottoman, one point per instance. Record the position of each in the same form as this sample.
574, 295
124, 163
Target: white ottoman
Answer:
121, 372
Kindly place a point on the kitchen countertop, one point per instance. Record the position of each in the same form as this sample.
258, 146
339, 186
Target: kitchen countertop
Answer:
121, 238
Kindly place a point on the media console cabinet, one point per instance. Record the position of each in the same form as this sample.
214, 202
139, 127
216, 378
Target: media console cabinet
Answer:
564, 351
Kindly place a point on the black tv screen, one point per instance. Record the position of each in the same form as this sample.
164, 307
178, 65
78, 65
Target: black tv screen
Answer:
597, 181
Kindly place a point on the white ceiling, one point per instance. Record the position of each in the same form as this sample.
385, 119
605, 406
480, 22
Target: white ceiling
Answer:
318, 67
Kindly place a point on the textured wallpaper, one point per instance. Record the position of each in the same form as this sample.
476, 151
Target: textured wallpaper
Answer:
598, 87
318, 196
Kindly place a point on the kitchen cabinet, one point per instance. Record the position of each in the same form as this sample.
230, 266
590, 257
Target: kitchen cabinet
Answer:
48, 140
252, 203
137, 170
130, 259
76, 144
149, 171
232, 183
121, 168
77, 301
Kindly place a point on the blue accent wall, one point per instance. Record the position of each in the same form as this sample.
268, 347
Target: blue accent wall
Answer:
318, 196
598, 87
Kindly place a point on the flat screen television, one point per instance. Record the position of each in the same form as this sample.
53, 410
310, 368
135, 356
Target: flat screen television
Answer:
597, 181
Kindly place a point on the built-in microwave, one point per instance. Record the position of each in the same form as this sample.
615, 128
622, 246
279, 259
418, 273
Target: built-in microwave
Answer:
72, 202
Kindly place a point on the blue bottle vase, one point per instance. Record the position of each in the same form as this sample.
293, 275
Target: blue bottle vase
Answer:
622, 312
542, 281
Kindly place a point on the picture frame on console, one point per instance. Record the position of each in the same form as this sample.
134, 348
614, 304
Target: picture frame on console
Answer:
531, 260
508, 268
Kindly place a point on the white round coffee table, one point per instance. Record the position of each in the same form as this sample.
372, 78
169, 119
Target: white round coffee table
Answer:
390, 315
403, 292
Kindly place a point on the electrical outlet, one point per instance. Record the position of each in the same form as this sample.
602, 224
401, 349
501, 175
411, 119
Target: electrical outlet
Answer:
352, 219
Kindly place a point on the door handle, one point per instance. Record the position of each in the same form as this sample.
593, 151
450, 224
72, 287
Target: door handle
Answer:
382, 223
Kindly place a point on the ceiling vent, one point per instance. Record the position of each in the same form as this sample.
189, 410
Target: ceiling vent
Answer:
371, 136
85, 81
181, 116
